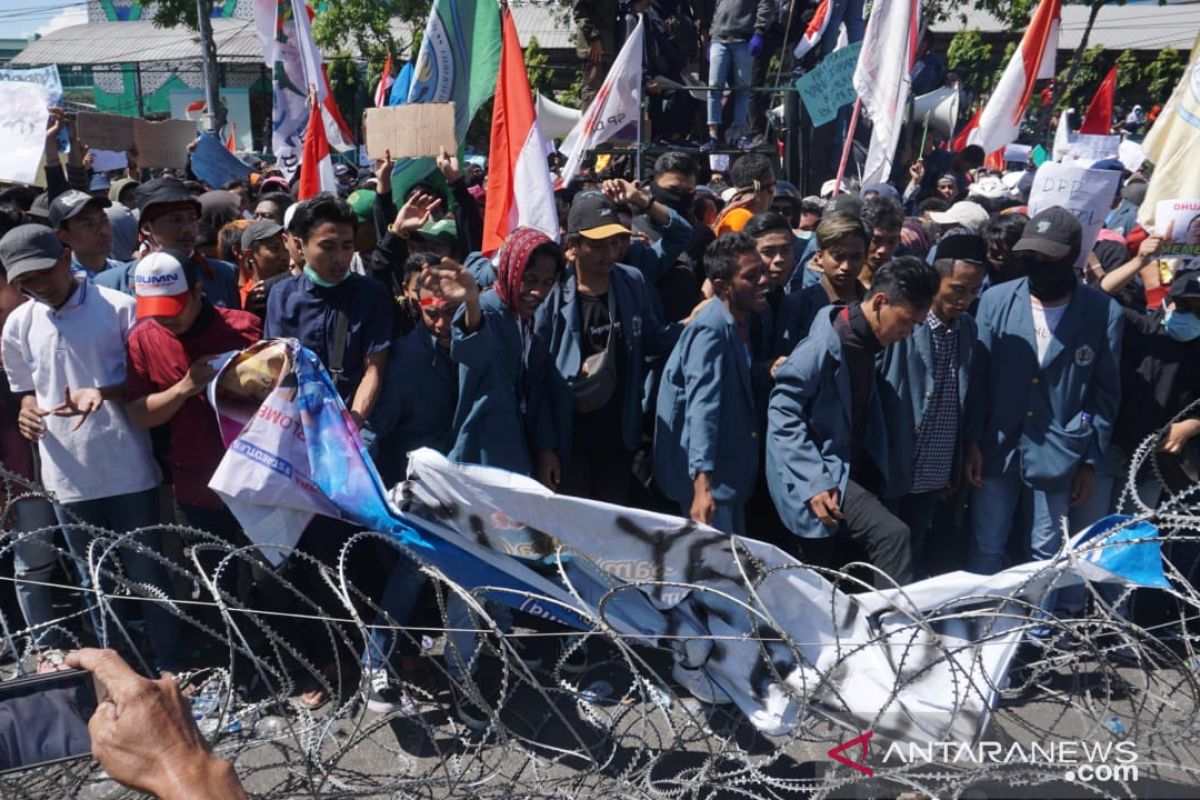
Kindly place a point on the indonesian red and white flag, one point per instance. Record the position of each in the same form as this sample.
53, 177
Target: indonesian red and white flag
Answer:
883, 76
520, 191
814, 31
1098, 119
1000, 122
316, 165
386, 79
615, 107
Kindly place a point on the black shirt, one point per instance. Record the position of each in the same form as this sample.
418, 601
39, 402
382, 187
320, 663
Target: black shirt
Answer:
1159, 378
600, 429
859, 348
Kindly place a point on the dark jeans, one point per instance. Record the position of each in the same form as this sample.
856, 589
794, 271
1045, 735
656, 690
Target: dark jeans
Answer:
123, 514
598, 475
917, 512
868, 524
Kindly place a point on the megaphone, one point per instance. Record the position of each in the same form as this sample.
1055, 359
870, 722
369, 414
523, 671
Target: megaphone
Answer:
940, 107
555, 119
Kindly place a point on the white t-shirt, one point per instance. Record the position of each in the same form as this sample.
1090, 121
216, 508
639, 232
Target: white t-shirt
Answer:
80, 345
1045, 321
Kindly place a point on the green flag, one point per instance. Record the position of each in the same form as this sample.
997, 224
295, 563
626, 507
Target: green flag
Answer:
458, 62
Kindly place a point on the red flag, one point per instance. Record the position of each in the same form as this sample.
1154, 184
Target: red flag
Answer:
960, 141
385, 83
316, 167
518, 153
231, 142
1098, 119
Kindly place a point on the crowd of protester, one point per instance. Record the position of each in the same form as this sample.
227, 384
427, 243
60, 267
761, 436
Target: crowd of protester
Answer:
917, 378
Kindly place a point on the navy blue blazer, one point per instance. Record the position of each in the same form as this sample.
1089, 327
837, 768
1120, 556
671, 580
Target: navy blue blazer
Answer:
1044, 420
642, 333
416, 403
796, 314
809, 431
707, 420
905, 389
511, 402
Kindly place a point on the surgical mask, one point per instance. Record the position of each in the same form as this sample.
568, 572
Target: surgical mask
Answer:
680, 201
1182, 326
1050, 281
319, 281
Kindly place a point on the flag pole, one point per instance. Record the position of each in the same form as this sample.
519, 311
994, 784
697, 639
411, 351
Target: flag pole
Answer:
837, 187
637, 166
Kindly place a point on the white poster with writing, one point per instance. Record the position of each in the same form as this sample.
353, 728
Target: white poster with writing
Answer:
1086, 193
22, 129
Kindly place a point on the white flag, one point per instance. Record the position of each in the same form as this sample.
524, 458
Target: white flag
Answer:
883, 76
616, 106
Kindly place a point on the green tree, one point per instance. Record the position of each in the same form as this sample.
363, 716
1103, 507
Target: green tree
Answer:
1078, 81
970, 57
1161, 74
537, 67
1129, 74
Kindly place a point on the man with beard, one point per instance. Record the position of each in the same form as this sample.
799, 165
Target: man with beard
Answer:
1048, 388
707, 434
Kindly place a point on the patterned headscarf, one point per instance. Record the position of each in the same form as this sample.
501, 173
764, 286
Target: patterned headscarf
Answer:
514, 258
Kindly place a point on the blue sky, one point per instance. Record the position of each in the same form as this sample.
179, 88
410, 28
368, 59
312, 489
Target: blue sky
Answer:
25, 17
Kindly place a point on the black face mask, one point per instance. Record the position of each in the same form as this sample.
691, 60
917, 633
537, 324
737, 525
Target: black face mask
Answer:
1050, 281
679, 201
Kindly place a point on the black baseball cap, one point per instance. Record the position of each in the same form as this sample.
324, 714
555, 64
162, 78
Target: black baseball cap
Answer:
963, 246
29, 248
163, 191
71, 203
259, 230
1185, 285
1053, 232
593, 216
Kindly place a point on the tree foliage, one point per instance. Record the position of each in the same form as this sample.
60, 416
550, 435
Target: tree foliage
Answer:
1079, 86
1161, 74
970, 56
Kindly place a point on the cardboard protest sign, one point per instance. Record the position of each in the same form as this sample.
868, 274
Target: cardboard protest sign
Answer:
105, 131
158, 144
22, 129
1178, 222
410, 131
1087, 193
163, 144
831, 85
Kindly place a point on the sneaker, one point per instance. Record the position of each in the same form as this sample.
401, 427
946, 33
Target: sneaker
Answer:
709, 146
384, 698
476, 701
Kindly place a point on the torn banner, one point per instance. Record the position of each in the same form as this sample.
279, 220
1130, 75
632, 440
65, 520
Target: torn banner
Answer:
293, 452
746, 622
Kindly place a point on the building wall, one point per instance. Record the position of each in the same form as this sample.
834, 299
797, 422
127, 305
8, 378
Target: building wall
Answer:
116, 85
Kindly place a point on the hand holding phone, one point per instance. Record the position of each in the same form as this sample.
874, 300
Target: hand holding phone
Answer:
43, 719
143, 733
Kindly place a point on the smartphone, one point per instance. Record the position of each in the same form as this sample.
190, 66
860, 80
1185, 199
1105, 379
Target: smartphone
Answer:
43, 719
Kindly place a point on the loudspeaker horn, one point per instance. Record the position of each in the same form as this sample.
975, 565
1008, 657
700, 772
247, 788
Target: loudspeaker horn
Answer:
941, 106
555, 119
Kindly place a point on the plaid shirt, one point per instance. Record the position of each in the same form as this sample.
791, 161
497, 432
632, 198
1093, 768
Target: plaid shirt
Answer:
937, 435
